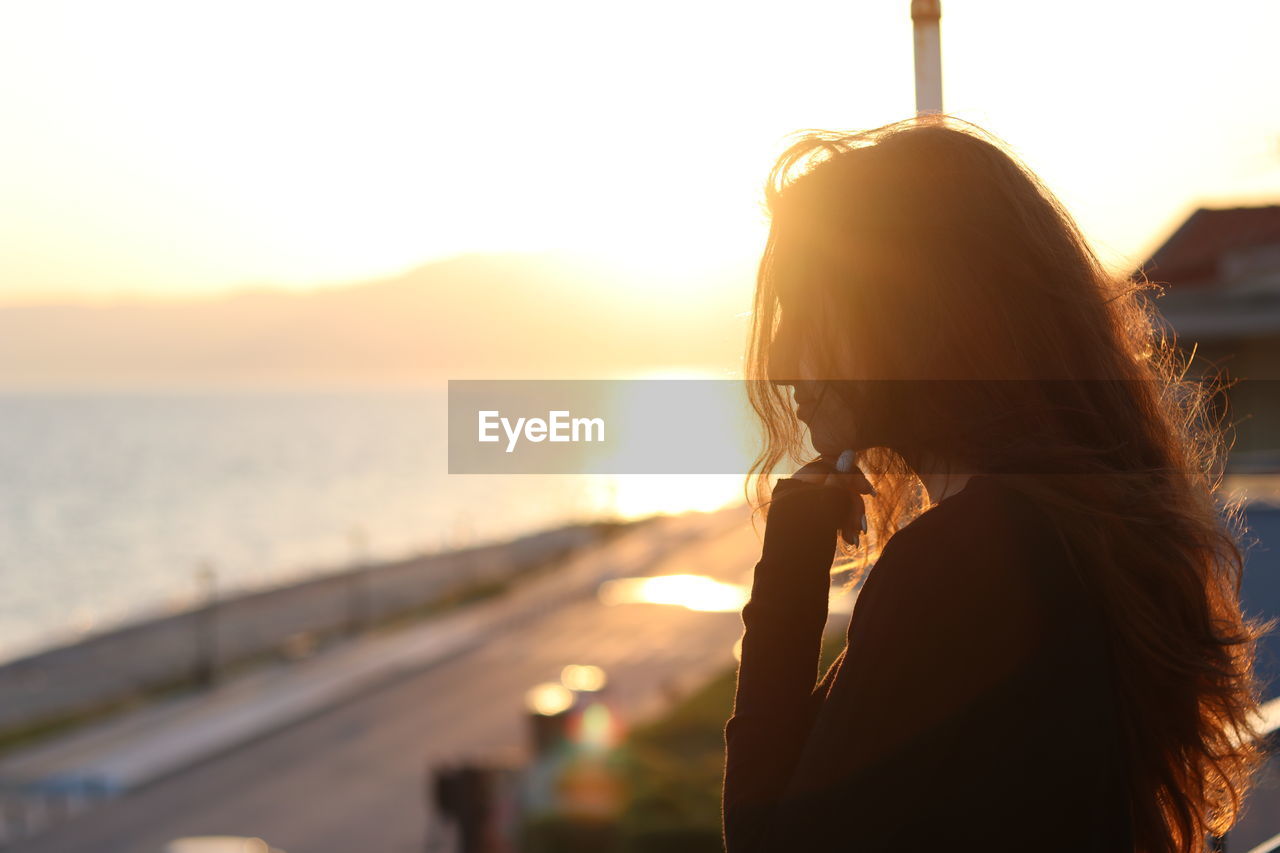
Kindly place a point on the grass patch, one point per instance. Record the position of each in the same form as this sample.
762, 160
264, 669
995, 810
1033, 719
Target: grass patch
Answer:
678, 765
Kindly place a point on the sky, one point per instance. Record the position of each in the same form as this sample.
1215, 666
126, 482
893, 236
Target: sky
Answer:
177, 149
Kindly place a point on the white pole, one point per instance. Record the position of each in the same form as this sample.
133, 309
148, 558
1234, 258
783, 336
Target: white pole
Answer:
926, 18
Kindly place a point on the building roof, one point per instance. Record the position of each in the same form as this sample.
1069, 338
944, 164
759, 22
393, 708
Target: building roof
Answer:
1190, 256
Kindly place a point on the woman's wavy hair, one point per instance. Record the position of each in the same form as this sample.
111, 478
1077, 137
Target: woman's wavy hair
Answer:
926, 264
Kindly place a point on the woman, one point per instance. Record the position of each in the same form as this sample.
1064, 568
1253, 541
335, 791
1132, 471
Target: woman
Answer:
1050, 655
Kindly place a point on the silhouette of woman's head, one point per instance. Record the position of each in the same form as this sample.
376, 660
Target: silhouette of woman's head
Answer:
932, 304
916, 267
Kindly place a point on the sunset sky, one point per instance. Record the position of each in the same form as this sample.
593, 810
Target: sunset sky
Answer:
179, 148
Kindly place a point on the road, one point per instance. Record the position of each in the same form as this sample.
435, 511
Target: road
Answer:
353, 778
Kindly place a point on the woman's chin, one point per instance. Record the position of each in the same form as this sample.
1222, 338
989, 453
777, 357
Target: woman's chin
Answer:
830, 449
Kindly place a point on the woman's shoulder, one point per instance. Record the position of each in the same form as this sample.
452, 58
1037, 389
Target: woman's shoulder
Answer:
986, 538
986, 514
990, 513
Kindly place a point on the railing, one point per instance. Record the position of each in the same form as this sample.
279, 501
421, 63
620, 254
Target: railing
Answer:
1256, 831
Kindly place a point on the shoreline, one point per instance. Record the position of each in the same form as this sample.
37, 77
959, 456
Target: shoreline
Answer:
61, 688
304, 575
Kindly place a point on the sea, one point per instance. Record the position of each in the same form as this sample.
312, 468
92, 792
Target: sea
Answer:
118, 507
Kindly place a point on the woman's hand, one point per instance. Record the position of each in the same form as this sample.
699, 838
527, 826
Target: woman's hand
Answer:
821, 472
818, 497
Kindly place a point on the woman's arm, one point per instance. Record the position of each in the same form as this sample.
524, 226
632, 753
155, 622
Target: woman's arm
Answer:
908, 743
776, 701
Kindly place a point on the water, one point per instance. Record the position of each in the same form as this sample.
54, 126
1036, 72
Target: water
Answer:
109, 503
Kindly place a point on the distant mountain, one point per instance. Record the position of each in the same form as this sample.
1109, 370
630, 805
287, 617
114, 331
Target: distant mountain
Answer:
474, 316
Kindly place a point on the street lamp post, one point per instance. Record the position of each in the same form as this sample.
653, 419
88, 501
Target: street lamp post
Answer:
926, 16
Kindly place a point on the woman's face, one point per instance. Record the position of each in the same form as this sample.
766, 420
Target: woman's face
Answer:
824, 412
819, 405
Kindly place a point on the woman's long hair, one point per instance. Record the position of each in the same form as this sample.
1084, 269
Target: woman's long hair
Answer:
961, 315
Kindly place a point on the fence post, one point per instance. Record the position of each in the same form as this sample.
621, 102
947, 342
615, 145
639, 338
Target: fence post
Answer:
206, 627
359, 606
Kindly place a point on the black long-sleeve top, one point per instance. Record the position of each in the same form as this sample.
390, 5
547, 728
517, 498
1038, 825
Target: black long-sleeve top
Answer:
970, 709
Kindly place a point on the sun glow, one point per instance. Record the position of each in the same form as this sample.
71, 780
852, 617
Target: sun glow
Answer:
343, 142
696, 592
